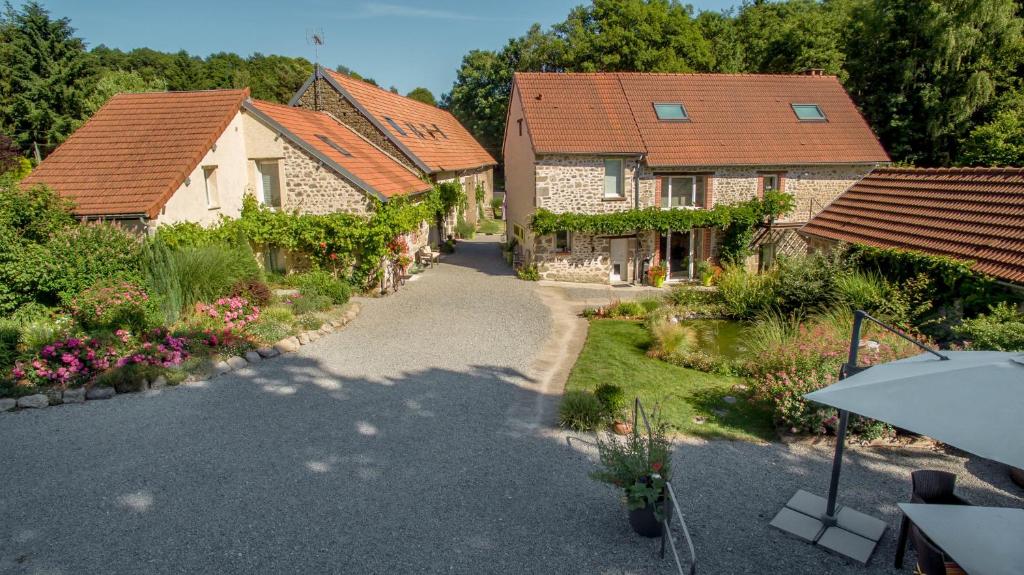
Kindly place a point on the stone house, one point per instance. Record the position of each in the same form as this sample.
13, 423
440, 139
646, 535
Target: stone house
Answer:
593, 143
972, 214
425, 138
146, 160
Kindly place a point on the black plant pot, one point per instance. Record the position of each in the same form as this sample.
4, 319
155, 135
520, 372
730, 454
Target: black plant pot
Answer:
645, 522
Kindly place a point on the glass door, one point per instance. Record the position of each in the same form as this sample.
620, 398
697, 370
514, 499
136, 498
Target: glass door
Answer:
677, 251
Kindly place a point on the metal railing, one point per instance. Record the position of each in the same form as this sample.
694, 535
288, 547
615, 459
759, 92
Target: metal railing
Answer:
666, 533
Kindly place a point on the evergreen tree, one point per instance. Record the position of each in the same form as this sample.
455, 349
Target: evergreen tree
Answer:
47, 77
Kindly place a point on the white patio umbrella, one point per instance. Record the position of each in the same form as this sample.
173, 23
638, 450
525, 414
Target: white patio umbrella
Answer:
974, 400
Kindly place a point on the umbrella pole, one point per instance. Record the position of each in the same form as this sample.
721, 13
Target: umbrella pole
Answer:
844, 419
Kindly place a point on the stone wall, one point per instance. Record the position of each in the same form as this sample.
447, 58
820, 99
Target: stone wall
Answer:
338, 106
312, 188
576, 184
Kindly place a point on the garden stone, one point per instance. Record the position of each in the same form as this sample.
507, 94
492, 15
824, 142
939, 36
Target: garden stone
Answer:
237, 362
729, 399
287, 345
336, 323
221, 367
268, 352
100, 393
76, 395
159, 383
7, 404
253, 357
34, 401
326, 329
303, 338
313, 335
53, 396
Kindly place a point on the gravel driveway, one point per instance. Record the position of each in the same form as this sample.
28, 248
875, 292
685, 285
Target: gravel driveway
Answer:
417, 440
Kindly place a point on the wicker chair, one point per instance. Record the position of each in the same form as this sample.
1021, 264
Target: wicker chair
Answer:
930, 559
929, 486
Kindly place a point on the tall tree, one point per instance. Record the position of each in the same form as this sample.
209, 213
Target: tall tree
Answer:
114, 82
999, 142
47, 77
924, 70
793, 36
422, 95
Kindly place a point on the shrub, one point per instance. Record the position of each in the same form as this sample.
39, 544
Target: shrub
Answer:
860, 290
612, 398
310, 322
321, 283
670, 337
1002, 329
743, 294
528, 273
268, 331
580, 411
235, 312
10, 338
111, 305
497, 204
627, 309
465, 229
649, 305
304, 304
66, 363
254, 290
804, 282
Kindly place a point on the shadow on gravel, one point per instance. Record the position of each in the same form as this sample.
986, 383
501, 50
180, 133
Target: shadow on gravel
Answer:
483, 256
289, 468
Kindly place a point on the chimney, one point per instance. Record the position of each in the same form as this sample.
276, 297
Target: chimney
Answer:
814, 72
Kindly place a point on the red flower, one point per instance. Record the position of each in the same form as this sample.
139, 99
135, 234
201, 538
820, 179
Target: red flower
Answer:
334, 256
656, 466
323, 245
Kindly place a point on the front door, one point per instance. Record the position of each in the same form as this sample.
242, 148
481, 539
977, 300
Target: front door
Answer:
618, 250
678, 251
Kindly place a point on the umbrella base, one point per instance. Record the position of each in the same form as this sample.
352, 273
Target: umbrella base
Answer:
850, 533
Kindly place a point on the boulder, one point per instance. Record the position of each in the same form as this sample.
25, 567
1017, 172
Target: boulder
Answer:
304, 338
54, 396
221, 367
100, 393
313, 335
287, 345
76, 395
268, 352
253, 357
34, 401
237, 362
7, 404
336, 323
326, 329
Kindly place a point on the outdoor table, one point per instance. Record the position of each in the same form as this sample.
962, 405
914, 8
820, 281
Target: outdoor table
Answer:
982, 540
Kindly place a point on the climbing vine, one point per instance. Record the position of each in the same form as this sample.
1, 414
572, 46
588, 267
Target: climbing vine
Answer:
724, 216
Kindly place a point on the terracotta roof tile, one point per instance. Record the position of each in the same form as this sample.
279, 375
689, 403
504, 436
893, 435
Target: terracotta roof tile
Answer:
137, 150
365, 161
442, 143
967, 213
734, 119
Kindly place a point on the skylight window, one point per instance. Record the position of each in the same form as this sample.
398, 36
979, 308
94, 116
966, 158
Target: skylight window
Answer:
671, 112
809, 113
415, 130
333, 145
395, 126
440, 131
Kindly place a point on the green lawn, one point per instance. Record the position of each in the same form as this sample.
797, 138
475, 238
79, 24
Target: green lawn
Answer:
615, 353
487, 226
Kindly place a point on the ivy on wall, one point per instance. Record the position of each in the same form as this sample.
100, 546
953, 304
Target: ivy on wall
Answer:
736, 220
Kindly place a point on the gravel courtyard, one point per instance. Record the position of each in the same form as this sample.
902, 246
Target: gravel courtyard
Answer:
419, 439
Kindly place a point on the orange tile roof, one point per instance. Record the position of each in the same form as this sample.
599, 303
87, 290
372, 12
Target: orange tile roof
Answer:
132, 155
366, 165
967, 213
442, 143
734, 119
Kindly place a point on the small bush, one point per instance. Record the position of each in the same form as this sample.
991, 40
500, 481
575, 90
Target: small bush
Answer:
321, 283
254, 290
580, 411
266, 330
805, 283
860, 290
279, 314
10, 338
464, 229
742, 294
113, 305
528, 273
305, 304
627, 309
649, 305
670, 337
1002, 329
310, 321
612, 398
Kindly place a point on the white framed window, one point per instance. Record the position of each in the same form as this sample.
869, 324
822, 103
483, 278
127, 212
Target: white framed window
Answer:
210, 186
563, 242
683, 192
269, 183
613, 177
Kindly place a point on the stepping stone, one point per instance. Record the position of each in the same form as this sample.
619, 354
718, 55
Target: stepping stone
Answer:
847, 544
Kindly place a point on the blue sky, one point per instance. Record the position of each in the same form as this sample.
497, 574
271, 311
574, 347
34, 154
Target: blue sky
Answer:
405, 43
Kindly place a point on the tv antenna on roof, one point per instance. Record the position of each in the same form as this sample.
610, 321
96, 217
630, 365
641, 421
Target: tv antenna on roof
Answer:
315, 37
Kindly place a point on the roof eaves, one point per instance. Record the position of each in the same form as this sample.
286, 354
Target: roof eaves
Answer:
309, 149
874, 162
373, 120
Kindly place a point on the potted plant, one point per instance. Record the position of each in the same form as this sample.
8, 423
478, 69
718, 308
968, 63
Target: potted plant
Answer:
706, 271
613, 404
640, 465
657, 274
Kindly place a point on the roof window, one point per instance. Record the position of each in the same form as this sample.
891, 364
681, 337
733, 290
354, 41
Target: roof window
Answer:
671, 112
415, 130
809, 113
440, 131
395, 126
333, 145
